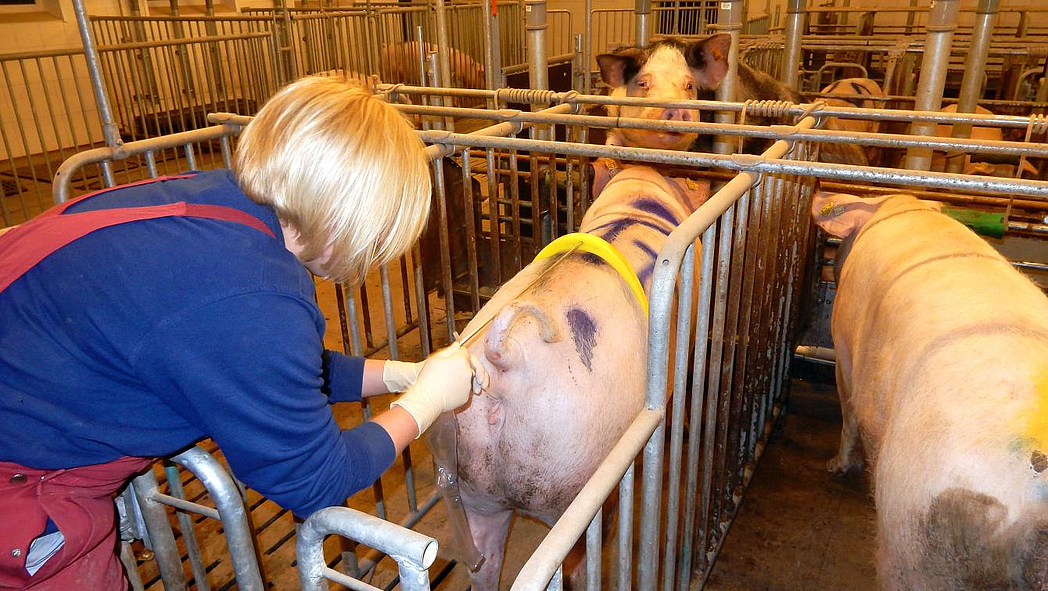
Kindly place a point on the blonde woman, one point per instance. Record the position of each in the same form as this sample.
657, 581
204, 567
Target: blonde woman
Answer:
138, 320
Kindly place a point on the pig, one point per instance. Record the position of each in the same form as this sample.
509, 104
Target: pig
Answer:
999, 169
854, 87
673, 70
402, 65
942, 371
566, 361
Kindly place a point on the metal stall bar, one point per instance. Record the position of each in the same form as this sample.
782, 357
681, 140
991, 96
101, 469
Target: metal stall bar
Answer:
109, 127
229, 509
642, 11
971, 85
64, 174
943, 22
413, 552
731, 22
795, 21
999, 147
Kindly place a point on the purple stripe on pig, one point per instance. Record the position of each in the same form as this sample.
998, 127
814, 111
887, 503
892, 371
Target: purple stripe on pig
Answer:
656, 208
618, 226
583, 333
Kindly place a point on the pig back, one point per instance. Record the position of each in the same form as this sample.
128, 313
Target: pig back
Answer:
936, 332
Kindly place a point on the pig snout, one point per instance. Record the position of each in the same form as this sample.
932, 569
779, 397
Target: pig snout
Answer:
678, 115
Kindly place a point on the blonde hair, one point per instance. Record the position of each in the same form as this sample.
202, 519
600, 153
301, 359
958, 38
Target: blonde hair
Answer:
341, 167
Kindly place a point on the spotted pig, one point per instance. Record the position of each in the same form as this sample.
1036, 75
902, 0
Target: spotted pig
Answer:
674, 70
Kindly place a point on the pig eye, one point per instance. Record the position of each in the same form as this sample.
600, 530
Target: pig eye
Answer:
690, 86
642, 83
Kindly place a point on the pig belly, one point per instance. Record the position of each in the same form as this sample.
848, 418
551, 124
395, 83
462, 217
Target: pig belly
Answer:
534, 438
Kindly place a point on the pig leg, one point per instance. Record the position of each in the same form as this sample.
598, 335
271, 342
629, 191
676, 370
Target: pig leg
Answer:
849, 456
489, 523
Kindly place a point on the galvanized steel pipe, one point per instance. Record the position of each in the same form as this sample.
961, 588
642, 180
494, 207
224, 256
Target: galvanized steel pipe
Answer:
443, 45
730, 20
413, 551
942, 23
547, 558
795, 21
536, 25
110, 131
232, 512
752, 164
642, 33
971, 85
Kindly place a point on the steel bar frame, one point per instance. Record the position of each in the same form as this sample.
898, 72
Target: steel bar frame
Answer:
767, 198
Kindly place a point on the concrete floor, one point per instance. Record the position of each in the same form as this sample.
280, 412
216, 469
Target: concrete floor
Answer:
799, 528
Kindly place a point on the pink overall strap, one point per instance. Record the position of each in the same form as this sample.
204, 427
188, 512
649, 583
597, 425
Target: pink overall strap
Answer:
26, 245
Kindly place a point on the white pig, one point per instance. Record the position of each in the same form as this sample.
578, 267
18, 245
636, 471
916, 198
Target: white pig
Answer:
942, 371
566, 361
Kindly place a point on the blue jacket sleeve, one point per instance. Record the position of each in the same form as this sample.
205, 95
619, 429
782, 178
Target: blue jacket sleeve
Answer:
343, 376
247, 371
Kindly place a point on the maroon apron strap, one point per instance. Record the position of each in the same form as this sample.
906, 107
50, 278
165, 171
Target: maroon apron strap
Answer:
61, 207
26, 245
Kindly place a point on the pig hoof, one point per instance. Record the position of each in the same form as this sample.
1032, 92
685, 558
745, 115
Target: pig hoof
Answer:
841, 467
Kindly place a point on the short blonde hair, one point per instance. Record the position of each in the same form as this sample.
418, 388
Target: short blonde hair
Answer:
341, 167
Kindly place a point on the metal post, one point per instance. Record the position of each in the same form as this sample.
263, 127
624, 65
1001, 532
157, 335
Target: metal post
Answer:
971, 86
168, 558
795, 22
489, 42
495, 67
941, 25
109, 128
538, 60
587, 59
413, 551
232, 511
443, 45
730, 18
643, 31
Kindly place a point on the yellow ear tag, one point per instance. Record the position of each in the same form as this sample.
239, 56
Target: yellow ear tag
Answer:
828, 209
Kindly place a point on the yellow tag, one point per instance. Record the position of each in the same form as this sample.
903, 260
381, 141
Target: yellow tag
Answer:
691, 183
600, 247
611, 164
827, 209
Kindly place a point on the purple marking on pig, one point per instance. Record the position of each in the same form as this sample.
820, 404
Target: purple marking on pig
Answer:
657, 209
593, 259
618, 226
645, 273
647, 249
583, 333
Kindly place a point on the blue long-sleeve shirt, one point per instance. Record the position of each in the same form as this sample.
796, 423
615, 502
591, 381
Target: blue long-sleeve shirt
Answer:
142, 338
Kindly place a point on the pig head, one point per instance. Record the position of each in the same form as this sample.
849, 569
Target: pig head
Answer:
673, 70
566, 361
942, 370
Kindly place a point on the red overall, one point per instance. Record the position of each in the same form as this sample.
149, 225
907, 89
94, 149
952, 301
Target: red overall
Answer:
78, 500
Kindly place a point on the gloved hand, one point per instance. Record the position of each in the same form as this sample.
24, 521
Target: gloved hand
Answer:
443, 384
399, 375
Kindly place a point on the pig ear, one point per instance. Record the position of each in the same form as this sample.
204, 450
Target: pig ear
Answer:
709, 59
617, 68
840, 214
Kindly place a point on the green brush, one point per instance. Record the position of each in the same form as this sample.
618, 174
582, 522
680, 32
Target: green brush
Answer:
982, 223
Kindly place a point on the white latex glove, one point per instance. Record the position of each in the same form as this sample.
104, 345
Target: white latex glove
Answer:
444, 384
399, 375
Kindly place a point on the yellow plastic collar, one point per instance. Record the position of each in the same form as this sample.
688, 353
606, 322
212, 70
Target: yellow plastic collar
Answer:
600, 247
